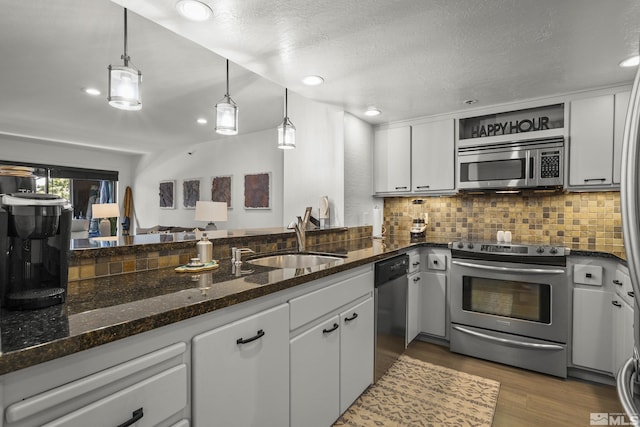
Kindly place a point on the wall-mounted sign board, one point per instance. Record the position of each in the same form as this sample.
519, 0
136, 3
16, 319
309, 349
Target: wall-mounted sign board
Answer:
513, 122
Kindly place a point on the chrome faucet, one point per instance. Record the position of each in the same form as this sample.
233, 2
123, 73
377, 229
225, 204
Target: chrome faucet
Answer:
301, 227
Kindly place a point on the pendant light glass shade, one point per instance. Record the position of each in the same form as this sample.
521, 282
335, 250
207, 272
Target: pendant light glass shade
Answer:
286, 129
124, 81
227, 113
124, 88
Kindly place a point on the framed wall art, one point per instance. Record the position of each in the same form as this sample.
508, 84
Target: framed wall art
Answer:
190, 193
257, 191
167, 193
221, 189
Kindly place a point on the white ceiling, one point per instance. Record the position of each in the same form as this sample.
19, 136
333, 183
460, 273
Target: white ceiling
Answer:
408, 58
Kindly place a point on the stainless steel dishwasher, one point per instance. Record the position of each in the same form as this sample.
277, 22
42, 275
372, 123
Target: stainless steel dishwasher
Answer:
391, 311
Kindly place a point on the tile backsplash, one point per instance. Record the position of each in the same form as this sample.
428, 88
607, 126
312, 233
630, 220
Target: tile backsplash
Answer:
589, 221
140, 258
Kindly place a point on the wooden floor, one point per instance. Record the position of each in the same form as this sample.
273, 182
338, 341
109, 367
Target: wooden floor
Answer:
527, 398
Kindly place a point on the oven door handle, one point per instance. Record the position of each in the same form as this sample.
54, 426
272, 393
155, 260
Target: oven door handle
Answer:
513, 343
509, 269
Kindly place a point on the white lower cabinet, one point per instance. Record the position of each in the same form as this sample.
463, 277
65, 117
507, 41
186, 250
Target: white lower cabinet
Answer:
592, 326
433, 303
241, 372
331, 365
149, 390
622, 333
414, 306
356, 351
315, 375
146, 403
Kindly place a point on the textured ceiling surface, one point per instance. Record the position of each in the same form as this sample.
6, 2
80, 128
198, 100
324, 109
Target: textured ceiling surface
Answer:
408, 58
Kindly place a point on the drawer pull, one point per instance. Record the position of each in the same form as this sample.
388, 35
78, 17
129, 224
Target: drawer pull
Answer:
631, 294
258, 335
435, 262
401, 188
617, 282
328, 331
415, 264
423, 186
616, 303
136, 416
416, 279
349, 319
589, 275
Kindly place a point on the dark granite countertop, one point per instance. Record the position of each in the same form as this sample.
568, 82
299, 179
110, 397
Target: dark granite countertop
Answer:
102, 310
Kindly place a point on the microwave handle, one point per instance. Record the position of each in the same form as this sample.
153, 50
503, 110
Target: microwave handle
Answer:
532, 167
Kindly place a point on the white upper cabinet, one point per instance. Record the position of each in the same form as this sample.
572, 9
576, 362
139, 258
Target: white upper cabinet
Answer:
392, 160
621, 103
596, 129
432, 156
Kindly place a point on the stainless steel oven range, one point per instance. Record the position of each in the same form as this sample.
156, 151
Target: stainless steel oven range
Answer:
510, 304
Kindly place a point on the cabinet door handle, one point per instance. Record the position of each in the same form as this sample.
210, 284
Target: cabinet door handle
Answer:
328, 331
631, 294
416, 279
617, 282
136, 416
401, 188
435, 262
349, 319
423, 186
595, 179
258, 335
616, 303
415, 264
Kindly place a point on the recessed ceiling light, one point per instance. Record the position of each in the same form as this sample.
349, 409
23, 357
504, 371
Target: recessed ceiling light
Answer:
632, 61
313, 80
91, 91
202, 121
194, 10
471, 101
372, 111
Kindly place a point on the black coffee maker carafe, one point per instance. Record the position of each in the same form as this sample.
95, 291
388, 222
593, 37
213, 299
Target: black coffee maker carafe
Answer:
35, 232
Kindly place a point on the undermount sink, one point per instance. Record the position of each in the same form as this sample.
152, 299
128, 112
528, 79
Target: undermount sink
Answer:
296, 260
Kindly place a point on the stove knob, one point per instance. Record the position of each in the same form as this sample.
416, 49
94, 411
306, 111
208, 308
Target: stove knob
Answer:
553, 250
540, 249
470, 246
460, 245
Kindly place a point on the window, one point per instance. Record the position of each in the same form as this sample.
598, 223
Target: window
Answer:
81, 187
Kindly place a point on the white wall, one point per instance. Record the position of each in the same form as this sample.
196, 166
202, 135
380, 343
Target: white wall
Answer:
315, 168
358, 171
55, 153
233, 155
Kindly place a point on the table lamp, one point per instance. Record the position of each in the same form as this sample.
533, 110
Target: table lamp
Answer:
105, 211
211, 211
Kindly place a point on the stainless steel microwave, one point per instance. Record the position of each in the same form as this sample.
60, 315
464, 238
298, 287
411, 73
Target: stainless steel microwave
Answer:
521, 164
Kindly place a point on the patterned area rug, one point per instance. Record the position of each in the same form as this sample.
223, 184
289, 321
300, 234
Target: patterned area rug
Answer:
416, 393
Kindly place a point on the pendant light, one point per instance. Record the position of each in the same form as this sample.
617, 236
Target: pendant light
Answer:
124, 81
286, 129
227, 113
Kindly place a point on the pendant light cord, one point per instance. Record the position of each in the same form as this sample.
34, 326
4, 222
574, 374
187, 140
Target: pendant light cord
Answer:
125, 57
286, 114
227, 78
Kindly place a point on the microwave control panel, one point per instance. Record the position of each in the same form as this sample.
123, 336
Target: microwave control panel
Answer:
550, 164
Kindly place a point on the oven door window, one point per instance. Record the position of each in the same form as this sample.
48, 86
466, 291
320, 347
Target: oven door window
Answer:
507, 298
495, 170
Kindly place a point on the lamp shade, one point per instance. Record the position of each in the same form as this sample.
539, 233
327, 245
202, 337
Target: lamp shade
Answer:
105, 210
227, 117
124, 88
211, 211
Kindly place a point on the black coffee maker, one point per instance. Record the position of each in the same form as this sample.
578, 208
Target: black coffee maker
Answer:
35, 230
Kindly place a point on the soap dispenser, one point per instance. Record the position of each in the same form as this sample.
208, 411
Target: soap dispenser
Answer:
205, 249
